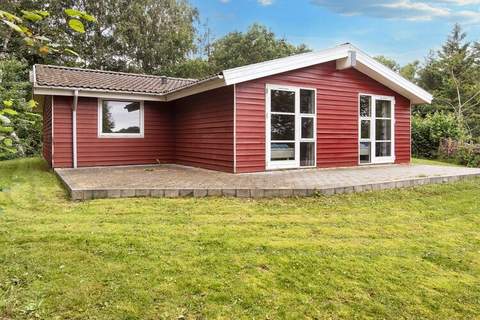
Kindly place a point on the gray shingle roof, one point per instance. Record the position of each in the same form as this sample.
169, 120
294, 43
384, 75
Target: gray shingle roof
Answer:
56, 76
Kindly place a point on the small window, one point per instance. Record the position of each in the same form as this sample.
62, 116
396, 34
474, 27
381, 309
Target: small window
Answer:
120, 118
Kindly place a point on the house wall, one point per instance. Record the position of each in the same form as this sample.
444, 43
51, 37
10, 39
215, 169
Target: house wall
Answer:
156, 146
195, 131
337, 115
204, 130
47, 130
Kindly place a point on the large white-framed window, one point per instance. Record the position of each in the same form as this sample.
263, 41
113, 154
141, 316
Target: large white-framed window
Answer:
120, 119
291, 123
376, 129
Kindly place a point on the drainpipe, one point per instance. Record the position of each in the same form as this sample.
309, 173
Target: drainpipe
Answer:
74, 127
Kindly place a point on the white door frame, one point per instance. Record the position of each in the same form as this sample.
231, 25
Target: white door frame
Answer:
373, 158
289, 164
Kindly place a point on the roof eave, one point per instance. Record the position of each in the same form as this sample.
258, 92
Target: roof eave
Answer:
96, 93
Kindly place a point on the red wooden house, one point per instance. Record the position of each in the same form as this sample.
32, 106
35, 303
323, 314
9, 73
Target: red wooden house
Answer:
333, 108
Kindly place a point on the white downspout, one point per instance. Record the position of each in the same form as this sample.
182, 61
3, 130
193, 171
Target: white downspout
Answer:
74, 127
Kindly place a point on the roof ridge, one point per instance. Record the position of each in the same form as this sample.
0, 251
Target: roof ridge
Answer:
111, 72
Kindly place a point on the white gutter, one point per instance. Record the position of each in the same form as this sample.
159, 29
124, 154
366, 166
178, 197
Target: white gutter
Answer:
74, 127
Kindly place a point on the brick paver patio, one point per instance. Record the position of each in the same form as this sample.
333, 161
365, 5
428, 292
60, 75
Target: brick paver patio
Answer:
174, 181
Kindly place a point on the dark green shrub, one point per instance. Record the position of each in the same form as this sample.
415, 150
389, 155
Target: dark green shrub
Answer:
428, 131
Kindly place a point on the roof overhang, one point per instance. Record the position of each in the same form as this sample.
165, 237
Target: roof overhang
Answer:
346, 56
95, 93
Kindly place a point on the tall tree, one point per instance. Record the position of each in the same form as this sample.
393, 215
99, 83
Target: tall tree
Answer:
452, 74
130, 35
256, 45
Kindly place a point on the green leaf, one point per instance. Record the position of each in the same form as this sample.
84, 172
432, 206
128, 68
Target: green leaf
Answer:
9, 16
6, 129
9, 111
13, 26
8, 142
8, 103
32, 16
69, 51
28, 41
42, 13
76, 25
73, 13
88, 17
8, 149
31, 104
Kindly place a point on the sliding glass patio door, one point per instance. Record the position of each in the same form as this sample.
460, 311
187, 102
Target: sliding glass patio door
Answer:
376, 129
290, 127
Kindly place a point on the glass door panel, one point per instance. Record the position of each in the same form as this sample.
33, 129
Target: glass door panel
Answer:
383, 130
291, 127
376, 129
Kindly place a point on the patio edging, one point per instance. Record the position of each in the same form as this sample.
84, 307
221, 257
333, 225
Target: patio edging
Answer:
89, 194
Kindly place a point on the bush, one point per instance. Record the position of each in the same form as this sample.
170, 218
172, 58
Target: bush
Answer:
20, 125
428, 132
467, 154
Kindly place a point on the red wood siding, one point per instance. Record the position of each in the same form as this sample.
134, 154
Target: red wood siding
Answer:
337, 115
157, 144
196, 131
62, 132
204, 130
47, 130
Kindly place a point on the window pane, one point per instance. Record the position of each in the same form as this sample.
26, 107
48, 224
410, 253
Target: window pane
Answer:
383, 130
283, 127
283, 101
383, 109
307, 154
307, 128
307, 101
383, 149
365, 152
365, 102
283, 151
120, 117
365, 130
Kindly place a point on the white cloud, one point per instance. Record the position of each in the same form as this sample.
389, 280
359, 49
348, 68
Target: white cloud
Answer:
463, 11
265, 2
224, 1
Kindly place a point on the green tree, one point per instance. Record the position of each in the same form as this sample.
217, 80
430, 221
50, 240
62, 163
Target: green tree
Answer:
392, 64
452, 74
258, 44
20, 127
410, 71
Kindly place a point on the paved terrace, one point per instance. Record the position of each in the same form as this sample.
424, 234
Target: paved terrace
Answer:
178, 181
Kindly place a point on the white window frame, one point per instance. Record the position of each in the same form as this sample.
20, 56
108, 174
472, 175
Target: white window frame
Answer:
101, 134
291, 164
374, 159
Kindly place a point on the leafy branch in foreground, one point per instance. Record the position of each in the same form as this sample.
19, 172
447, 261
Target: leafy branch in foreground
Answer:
20, 125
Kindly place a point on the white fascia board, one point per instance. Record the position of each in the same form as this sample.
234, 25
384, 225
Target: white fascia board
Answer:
207, 85
267, 68
92, 93
391, 79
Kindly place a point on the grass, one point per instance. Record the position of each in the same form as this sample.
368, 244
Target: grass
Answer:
398, 254
435, 162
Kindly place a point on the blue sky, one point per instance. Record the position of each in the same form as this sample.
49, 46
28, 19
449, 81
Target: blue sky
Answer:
401, 29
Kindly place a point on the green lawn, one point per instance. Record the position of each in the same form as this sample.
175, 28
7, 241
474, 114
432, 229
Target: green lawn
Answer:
404, 254
434, 162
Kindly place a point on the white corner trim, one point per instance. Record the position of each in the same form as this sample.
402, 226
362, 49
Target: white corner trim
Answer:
74, 128
234, 128
102, 135
53, 132
349, 62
